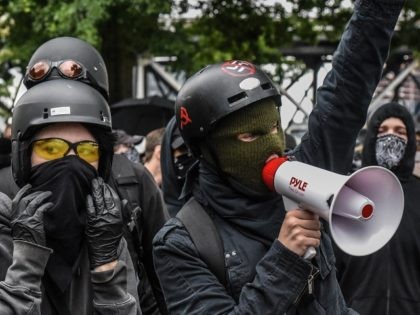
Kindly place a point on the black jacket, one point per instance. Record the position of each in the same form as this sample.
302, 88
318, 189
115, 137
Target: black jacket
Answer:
388, 281
153, 217
263, 276
22, 280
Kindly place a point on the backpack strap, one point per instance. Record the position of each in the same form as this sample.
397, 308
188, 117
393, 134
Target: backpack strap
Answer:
126, 184
126, 180
205, 237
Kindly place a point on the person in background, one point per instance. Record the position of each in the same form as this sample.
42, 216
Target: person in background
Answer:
72, 59
69, 256
126, 144
388, 281
175, 160
228, 116
7, 133
151, 159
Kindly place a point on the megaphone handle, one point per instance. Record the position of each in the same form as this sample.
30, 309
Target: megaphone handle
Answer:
289, 204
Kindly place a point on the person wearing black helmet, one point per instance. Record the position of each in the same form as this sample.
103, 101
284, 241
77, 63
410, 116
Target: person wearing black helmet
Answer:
69, 256
67, 58
228, 116
145, 213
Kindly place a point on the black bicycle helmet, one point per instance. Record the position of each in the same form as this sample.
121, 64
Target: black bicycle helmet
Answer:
54, 102
217, 91
69, 48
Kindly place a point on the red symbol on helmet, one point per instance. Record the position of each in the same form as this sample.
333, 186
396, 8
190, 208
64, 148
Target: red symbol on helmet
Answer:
185, 117
238, 68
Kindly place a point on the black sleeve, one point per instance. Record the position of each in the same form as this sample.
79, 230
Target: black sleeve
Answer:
20, 292
343, 99
7, 183
154, 216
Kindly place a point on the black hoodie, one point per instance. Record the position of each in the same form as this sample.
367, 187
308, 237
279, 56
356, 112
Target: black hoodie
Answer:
388, 281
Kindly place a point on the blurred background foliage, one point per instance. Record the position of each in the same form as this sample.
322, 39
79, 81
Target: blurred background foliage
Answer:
196, 32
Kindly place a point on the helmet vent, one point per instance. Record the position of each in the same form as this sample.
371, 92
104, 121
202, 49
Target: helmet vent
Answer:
267, 86
237, 97
45, 114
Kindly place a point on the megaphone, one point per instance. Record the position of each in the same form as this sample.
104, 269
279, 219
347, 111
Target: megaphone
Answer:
363, 210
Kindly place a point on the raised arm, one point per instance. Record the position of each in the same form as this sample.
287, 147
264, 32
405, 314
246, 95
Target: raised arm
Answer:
346, 93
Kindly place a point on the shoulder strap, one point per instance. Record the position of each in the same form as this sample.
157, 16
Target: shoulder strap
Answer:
126, 180
126, 184
205, 237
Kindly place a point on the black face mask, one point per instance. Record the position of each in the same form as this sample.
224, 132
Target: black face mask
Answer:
69, 179
182, 164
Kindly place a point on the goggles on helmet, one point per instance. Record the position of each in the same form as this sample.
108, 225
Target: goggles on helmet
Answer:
69, 69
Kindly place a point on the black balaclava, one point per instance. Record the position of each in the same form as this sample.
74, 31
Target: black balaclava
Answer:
405, 168
229, 173
243, 161
69, 179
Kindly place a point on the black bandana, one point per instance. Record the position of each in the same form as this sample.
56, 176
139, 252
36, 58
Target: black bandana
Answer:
390, 150
69, 180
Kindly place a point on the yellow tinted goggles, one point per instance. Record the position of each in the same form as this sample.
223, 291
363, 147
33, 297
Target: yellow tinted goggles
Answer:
56, 148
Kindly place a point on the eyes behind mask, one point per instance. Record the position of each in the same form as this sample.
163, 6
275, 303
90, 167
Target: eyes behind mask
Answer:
243, 161
390, 150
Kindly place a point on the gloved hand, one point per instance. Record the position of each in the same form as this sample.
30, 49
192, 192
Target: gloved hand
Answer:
27, 217
104, 223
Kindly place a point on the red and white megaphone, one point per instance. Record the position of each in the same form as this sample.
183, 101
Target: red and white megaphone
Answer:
364, 209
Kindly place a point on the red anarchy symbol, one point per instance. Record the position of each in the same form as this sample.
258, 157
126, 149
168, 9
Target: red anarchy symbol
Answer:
185, 118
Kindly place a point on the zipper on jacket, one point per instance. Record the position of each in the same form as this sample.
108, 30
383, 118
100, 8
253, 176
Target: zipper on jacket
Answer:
309, 284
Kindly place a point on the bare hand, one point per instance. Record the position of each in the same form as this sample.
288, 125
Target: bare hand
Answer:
300, 230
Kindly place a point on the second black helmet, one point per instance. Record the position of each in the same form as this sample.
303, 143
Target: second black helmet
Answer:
68, 58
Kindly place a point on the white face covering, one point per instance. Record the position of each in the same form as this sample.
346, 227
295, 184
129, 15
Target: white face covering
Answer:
390, 150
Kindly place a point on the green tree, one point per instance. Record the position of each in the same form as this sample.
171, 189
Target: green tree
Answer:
123, 29
120, 29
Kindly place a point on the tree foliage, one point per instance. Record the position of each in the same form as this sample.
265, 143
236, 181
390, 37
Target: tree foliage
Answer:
123, 29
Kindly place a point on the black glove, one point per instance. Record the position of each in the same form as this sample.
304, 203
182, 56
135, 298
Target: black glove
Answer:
28, 215
104, 223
